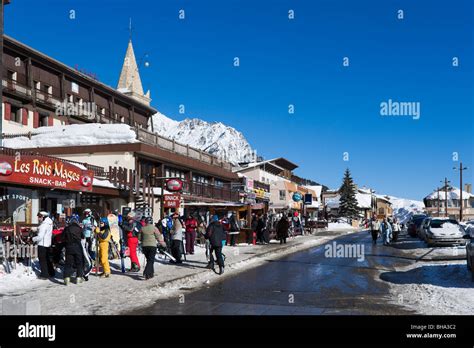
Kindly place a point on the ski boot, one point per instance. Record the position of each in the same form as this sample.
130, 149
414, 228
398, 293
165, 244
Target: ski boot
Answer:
105, 275
67, 281
221, 270
135, 268
79, 280
210, 266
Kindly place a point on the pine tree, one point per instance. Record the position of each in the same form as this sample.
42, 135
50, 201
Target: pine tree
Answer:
348, 202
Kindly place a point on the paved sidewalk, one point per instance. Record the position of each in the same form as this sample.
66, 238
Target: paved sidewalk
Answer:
123, 292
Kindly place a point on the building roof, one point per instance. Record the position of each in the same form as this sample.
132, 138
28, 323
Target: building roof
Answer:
453, 193
55, 65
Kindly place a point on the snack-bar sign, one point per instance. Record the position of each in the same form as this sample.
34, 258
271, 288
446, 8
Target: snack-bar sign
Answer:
44, 172
171, 201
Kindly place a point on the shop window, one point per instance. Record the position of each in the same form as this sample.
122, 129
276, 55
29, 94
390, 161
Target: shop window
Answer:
282, 195
16, 114
15, 202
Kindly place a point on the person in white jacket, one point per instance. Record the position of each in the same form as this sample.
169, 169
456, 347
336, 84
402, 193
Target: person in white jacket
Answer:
43, 239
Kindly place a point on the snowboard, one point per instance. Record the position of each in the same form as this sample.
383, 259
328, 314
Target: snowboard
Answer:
115, 233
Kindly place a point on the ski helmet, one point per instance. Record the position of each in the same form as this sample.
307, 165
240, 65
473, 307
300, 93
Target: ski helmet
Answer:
149, 220
87, 212
104, 221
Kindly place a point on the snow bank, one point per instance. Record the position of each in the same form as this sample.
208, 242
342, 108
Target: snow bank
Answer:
433, 288
340, 226
75, 135
20, 279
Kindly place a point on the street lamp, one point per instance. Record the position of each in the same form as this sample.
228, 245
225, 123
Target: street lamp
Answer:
446, 182
461, 168
3, 2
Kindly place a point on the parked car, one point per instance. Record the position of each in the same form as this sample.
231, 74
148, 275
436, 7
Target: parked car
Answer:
470, 247
414, 223
443, 231
420, 230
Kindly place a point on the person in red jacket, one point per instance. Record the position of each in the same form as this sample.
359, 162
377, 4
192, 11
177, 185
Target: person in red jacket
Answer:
191, 225
131, 229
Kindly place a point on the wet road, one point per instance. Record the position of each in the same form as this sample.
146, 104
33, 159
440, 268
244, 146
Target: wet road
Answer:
304, 283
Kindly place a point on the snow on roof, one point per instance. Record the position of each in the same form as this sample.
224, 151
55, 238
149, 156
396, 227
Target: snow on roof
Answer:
316, 188
453, 193
75, 135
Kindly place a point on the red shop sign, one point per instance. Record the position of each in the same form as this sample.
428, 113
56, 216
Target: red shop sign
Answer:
174, 185
171, 201
44, 172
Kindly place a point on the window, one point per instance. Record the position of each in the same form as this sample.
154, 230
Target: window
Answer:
37, 85
381, 211
16, 114
70, 98
74, 87
11, 75
43, 120
218, 183
282, 195
48, 89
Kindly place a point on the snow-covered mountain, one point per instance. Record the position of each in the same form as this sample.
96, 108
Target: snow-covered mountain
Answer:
403, 209
213, 137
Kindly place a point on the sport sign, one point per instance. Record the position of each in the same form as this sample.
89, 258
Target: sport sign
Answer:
44, 172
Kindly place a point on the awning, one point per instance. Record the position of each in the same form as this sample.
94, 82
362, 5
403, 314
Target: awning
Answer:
213, 204
258, 206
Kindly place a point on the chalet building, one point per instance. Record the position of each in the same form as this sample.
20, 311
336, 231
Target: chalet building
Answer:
127, 175
446, 202
278, 174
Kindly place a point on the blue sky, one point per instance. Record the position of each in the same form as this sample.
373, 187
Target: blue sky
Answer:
299, 62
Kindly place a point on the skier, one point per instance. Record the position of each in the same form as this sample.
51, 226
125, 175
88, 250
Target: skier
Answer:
149, 236
191, 227
234, 228
43, 239
88, 225
216, 234
72, 236
103, 237
374, 230
282, 229
131, 229
176, 239
386, 230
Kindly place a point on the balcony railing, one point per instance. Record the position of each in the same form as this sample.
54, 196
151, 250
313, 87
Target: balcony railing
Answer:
173, 146
224, 192
16, 87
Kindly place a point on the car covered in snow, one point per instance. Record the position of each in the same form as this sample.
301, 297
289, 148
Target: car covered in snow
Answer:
442, 231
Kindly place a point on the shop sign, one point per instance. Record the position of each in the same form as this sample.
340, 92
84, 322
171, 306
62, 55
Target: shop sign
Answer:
249, 184
308, 198
171, 201
297, 196
14, 196
174, 185
44, 172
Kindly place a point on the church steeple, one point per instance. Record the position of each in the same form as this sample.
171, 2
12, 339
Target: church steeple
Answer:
129, 81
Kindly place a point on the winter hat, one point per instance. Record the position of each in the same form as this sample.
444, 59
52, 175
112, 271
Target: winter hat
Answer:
215, 218
105, 221
43, 214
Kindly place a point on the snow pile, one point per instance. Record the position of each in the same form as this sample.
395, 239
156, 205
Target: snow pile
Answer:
340, 226
20, 278
403, 209
433, 288
75, 135
215, 138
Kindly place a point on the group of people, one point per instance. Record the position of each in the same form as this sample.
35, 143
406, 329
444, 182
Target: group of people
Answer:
78, 237
388, 229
